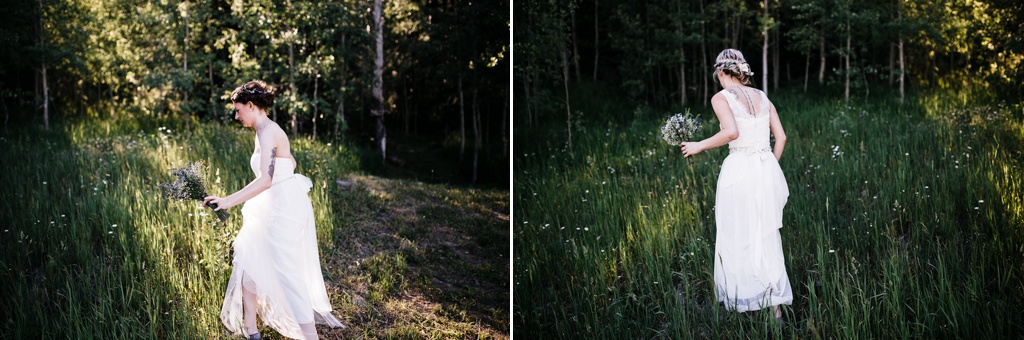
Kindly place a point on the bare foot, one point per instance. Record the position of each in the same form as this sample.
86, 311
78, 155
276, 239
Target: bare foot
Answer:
778, 312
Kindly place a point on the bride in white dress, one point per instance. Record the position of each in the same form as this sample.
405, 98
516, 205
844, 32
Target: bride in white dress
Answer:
750, 271
276, 266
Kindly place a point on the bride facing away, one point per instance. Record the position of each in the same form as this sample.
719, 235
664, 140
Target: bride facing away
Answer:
276, 265
750, 270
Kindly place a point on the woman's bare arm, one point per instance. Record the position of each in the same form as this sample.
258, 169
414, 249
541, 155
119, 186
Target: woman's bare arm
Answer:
723, 137
778, 132
268, 140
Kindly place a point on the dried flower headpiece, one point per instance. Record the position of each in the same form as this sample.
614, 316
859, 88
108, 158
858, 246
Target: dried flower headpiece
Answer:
726, 64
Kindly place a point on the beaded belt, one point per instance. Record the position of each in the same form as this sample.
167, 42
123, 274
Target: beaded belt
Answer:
750, 150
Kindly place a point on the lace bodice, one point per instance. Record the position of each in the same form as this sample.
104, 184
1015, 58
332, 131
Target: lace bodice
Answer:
754, 131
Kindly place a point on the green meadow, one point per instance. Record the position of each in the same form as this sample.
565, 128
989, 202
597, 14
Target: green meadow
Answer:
90, 249
903, 221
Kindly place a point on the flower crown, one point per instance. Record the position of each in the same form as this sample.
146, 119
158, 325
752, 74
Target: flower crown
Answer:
726, 64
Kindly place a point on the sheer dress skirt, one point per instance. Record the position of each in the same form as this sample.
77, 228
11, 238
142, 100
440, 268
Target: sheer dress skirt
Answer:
750, 271
276, 253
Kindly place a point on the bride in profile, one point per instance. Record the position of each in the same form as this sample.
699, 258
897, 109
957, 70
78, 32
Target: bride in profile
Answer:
276, 266
750, 271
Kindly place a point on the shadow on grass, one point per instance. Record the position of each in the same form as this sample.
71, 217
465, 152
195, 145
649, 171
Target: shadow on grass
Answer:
416, 259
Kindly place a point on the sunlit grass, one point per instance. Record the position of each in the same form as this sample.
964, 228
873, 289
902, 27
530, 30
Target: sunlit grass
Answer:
901, 222
90, 248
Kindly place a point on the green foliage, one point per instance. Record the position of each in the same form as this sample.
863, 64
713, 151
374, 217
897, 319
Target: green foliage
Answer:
163, 59
659, 51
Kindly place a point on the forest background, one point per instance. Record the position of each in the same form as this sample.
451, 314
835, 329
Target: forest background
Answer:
440, 86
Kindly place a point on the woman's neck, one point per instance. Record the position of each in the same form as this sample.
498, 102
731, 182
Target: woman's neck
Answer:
730, 82
261, 122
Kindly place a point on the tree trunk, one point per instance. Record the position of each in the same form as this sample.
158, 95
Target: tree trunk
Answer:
575, 50
764, 51
847, 57
682, 58
892, 63
184, 71
42, 69
682, 76
316, 85
7, 116
291, 86
902, 68
565, 82
504, 122
775, 60
899, 11
596, 39
703, 55
341, 93
526, 94
821, 52
476, 134
807, 70
462, 122
405, 103
46, 98
378, 80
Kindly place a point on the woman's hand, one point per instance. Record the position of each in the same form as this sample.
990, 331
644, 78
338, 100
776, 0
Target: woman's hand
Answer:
220, 202
691, 148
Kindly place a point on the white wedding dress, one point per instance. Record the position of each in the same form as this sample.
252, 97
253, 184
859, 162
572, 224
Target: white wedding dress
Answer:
750, 271
276, 253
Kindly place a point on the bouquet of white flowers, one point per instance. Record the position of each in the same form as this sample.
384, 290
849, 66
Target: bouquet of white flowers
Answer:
680, 128
190, 184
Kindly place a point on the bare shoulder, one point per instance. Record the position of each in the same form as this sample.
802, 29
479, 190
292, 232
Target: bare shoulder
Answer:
720, 96
719, 100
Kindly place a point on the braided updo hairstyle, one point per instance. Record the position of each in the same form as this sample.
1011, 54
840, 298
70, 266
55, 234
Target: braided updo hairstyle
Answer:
255, 91
731, 62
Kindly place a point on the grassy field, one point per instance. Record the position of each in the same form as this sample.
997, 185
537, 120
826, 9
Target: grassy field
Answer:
90, 249
902, 222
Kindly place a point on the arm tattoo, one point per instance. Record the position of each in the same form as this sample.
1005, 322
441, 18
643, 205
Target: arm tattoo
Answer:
273, 158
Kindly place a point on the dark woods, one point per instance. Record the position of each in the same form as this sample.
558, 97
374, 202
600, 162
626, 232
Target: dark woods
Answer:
659, 52
437, 72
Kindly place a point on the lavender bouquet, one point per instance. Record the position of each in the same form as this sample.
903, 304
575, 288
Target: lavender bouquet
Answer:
190, 184
680, 128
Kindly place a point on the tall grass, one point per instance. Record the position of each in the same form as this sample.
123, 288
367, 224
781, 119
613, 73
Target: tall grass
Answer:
902, 221
90, 249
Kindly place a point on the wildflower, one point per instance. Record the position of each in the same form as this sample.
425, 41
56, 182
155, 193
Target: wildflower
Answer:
190, 183
831, 251
44, 182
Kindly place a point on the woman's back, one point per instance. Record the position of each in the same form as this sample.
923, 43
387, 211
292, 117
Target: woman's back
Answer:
750, 107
